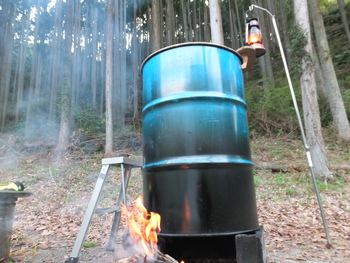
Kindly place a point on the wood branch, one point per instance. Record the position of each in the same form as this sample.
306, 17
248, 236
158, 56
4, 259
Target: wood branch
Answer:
165, 258
162, 258
124, 260
278, 167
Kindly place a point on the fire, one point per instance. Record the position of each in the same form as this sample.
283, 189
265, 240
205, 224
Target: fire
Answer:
255, 38
143, 226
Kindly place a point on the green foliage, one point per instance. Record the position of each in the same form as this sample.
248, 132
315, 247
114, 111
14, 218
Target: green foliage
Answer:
256, 181
290, 191
279, 178
297, 43
285, 184
90, 244
87, 119
271, 111
330, 146
342, 58
334, 185
330, 11
346, 98
325, 111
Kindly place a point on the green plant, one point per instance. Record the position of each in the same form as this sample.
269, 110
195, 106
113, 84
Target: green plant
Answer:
256, 181
346, 95
90, 244
334, 185
290, 191
325, 110
330, 146
297, 44
279, 178
87, 119
271, 111
342, 58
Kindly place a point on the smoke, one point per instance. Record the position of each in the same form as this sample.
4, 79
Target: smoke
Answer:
9, 156
128, 248
40, 66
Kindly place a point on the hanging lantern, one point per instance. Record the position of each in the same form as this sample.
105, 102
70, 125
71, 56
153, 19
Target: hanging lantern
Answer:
254, 36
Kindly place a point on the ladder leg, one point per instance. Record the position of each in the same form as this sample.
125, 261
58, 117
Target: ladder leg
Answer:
117, 215
124, 173
88, 214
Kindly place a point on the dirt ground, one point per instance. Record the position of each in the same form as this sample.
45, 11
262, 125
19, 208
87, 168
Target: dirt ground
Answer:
46, 223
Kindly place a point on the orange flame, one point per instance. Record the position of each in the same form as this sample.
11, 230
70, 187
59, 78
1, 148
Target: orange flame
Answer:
254, 38
143, 226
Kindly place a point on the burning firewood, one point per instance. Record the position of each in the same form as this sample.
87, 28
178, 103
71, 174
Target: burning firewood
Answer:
165, 258
143, 228
162, 258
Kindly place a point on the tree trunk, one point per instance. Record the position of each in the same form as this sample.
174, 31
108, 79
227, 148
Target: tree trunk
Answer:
30, 118
55, 62
86, 58
196, 27
217, 33
309, 97
206, 23
109, 78
321, 86
103, 98
37, 87
156, 26
271, 6
94, 58
21, 60
341, 4
170, 23
200, 23
5, 73
194, 22
241, 34
116, 76
284, 27
64, 134
189, 20
5, 15
135, 70
184, 20
233, 28
77, 55
266, 64
123, 87
340, 118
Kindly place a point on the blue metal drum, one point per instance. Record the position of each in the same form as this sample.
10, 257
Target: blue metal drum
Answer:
197, 164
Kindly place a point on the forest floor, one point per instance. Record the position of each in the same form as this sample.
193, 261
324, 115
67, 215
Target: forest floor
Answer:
46, 223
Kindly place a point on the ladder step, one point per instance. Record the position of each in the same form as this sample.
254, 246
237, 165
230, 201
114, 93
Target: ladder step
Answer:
102, 211
117, 161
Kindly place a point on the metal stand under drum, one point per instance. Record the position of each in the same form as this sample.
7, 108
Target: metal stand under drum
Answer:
251, 247
126, 164
236, 248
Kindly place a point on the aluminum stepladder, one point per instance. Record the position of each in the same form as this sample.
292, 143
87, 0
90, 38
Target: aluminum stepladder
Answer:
126, 164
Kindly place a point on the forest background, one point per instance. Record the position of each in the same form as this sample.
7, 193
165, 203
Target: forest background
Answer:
54, 69
53, 78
